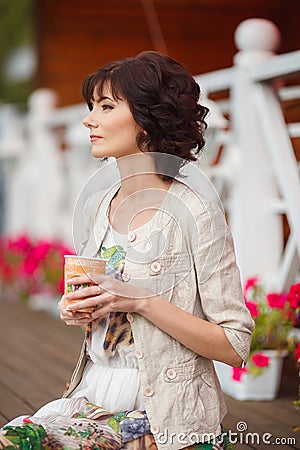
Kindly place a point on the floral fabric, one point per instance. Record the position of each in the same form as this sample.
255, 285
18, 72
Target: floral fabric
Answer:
85, 426
118, 330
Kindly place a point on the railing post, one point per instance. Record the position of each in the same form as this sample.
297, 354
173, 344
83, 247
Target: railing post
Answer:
257, 230
12, 147
37, 188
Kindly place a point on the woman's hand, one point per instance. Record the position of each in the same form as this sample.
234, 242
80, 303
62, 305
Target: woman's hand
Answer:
72, 318
108, 295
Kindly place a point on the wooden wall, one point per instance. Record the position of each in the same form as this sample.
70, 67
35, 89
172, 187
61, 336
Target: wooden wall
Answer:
75, 37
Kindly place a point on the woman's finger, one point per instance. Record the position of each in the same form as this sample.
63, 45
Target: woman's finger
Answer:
93, 278
90, 291
77, 322
95, 302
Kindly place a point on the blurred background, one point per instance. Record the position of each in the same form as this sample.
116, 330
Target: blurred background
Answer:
248, 71
55, 44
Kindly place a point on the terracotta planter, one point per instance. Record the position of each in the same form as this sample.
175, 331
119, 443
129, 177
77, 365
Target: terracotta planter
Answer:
261, 387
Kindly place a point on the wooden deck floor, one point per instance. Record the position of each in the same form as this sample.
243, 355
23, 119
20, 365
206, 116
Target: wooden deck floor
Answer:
38, 353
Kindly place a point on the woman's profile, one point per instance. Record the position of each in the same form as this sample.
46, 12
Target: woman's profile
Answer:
170, 302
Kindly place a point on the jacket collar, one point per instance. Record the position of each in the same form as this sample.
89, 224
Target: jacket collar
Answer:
159, 221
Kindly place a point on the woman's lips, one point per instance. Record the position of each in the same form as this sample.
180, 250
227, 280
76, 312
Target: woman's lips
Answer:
94, 138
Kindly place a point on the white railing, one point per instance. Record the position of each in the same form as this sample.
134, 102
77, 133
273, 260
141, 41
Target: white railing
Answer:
256, 174
45, 163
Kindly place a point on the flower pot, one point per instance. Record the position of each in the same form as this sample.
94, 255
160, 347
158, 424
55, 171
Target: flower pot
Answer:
262, 387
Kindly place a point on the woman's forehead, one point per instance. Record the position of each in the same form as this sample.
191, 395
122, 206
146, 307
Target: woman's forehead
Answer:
105, 90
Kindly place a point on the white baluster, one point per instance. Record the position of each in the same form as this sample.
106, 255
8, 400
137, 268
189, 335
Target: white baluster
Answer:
38, 186
257, 230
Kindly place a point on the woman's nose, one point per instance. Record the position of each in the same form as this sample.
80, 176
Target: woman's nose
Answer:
88, 121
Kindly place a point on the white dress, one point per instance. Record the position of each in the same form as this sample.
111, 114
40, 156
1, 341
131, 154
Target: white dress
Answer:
111, 377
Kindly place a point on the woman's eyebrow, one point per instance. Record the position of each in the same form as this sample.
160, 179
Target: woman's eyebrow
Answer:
105, 98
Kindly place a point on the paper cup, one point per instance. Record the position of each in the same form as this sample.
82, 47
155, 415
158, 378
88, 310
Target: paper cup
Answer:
80, 265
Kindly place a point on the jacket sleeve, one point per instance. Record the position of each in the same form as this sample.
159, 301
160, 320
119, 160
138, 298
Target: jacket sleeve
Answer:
218, 278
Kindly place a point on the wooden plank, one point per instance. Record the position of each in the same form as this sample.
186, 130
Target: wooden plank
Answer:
43, 335
37, 359
47, 348
30, 366
33, 389
11, 405
30, 356
3, 420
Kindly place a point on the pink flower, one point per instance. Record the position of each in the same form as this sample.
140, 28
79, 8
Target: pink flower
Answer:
20, 245
276, 300
61, 285
35, 257
297, 352
8, 273
41, 250
294, 296
253, 308
251, 282
237, 373
295, 289
27, 420
29, 267
260, 360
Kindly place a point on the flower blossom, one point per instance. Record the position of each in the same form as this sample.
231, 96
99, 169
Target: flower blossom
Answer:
294, 296
253, 308
297, 351
237, 373
251, 282
260, 360
29, 267
21, 245
61, 285
276, 300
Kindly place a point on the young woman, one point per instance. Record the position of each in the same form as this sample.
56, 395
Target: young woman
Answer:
171, 300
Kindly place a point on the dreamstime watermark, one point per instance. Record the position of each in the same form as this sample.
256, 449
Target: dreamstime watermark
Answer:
240, 435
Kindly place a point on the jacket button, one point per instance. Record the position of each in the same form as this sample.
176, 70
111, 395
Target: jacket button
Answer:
129, 317
154, 429
171, 374
156, 267
139, 354
148, 391
125, 276
131, 236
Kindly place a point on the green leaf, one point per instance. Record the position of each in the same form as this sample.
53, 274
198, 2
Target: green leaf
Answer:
114, 424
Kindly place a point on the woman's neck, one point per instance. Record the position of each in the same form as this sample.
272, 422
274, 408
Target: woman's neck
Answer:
141, 193
138, 174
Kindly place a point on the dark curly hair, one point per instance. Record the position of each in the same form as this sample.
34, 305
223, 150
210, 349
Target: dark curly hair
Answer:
163, 99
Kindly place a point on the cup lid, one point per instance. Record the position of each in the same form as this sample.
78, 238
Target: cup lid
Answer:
83, 257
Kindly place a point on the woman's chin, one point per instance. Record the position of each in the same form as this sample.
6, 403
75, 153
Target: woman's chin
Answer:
96, 153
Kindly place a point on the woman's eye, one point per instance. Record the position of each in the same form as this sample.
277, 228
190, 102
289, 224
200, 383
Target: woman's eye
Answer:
106, 107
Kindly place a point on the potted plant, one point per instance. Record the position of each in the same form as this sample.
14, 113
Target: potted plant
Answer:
31, 271
274, 315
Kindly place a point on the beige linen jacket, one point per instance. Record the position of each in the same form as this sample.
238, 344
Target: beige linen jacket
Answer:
185, 253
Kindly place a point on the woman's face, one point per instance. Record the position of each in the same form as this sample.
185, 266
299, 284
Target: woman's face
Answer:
113, 129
